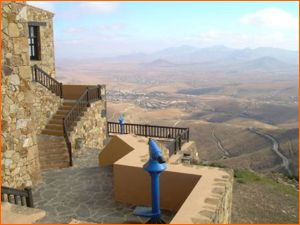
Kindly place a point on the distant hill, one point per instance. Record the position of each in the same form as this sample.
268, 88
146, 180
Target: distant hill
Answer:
188, 54
266, 63
217, 57
159, 63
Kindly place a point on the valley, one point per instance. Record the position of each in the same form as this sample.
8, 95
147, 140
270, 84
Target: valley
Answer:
241, 115
222, 104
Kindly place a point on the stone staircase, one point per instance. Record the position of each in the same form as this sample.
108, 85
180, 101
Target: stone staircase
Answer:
55, 125
53, 152
55, 148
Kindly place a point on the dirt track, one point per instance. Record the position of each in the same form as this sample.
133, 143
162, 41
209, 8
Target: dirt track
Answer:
275, 147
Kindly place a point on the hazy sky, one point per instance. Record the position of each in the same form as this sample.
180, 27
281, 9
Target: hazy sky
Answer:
96, 29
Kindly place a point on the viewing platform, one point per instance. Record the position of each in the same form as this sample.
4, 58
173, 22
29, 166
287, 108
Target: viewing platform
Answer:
196, 193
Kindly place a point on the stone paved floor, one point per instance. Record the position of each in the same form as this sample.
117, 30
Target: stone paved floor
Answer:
83, 192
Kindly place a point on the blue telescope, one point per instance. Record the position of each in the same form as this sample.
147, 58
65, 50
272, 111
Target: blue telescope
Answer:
121, 122
155, 166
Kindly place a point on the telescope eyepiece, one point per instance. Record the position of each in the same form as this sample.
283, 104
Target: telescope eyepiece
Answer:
160, 159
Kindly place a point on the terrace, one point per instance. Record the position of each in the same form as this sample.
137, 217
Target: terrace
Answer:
195, 194
109, 193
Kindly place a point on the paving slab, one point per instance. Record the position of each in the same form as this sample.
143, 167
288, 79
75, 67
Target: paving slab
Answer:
84, 193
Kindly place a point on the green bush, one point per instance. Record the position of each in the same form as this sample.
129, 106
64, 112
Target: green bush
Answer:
246, 176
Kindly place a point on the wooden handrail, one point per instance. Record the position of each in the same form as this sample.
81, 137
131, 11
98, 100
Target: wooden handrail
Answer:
90, 95
179, 135
17, 194
138, 124
40, 76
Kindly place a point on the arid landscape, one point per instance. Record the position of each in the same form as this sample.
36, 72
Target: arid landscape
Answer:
223, 103
241, 107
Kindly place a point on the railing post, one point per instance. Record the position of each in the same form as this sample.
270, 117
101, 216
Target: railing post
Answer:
179, 142
32, 73
99, 91
61, 90
69, 145
175, 146
146, 130
29, 199
188, 135
87, 97
35, 73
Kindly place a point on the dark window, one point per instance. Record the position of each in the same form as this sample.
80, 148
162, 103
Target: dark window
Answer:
34, 42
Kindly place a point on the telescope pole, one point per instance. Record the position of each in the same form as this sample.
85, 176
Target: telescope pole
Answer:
155, 193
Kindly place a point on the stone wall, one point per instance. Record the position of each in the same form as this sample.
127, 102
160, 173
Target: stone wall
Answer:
223, 210
26, 106
189, 151
47, 62
91, 128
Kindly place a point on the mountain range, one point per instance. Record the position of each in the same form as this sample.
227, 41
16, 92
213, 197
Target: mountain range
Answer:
259, 59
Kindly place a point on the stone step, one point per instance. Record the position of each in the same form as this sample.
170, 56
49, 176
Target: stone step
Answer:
54, 160
65, 107
55, 165
54, 127
54, 148
61, 116
51, 157
58, 117
53, 132
62, 112
59, 122
53, 152
50, 139
69, 102
56, 121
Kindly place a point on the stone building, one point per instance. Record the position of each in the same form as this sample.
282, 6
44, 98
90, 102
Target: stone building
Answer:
32, 111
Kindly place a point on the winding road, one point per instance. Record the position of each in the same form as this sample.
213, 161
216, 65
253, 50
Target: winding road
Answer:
219, 144
275, 147
177, 122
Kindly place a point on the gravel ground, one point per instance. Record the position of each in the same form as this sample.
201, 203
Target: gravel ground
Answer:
258, 203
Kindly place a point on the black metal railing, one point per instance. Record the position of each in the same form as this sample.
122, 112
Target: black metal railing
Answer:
15, 196
91, 94
176, 143
179, 135
40, 76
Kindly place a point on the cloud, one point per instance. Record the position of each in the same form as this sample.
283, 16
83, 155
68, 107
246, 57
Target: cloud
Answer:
211, 35
109, 6
235, 39
272, 18
111, 27
43, 5
63, 43
74, 30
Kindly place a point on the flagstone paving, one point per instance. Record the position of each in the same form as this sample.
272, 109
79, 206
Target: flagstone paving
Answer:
83, 192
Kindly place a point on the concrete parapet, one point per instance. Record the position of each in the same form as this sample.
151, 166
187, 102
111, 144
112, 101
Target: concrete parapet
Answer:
196, 193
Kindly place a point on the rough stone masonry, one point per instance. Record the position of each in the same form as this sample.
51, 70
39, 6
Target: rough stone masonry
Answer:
26, 107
